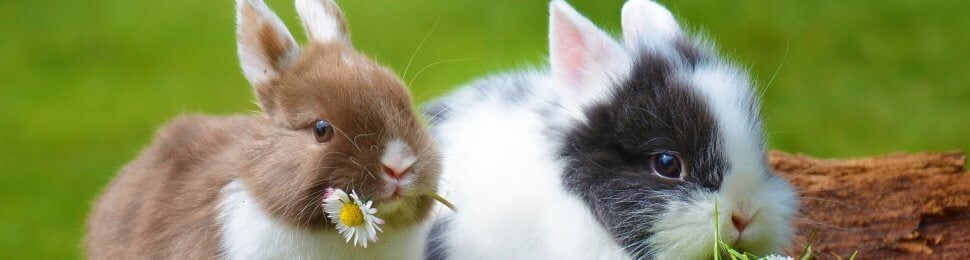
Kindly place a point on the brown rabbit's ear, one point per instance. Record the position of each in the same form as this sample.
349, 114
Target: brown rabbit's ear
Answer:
323, 21
265, 45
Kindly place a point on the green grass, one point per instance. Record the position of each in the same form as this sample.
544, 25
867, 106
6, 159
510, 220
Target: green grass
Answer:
86, 83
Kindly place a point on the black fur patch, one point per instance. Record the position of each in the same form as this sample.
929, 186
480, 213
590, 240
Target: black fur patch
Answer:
691, 56
435, 248
609, 159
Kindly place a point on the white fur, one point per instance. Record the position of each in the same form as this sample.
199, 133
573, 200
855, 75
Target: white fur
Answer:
648, 25
248, 232
256, 65
318, 20
511, 199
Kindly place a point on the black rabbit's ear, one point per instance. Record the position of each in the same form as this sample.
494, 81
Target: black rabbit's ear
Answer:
583, 58
264, 44
323, 21
648, 26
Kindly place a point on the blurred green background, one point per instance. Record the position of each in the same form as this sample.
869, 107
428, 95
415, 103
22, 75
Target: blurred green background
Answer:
88, 82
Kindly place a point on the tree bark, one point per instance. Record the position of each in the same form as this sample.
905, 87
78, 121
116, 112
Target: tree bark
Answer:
902, 206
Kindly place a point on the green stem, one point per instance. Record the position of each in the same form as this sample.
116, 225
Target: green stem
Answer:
443, 201
717, 236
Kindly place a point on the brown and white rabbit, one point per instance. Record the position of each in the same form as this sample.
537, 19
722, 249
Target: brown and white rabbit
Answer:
251, 186
617, 151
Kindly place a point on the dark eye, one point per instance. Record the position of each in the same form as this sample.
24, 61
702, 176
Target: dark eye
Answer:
667, 164
322, 131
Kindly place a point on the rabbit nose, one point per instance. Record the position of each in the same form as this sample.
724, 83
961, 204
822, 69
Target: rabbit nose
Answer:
398, 158
739, 222
396, 172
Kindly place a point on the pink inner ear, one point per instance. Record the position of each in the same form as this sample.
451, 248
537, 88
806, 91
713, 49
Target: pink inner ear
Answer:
569, 49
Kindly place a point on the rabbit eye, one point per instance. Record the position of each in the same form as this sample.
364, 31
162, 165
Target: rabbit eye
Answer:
667, 165
322, 131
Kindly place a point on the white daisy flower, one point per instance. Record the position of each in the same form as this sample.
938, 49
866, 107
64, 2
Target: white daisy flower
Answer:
353, 217
778, 257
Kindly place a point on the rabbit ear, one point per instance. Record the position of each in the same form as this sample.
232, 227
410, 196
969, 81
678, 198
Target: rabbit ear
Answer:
648, 25
265, 46
322, 20
582, 57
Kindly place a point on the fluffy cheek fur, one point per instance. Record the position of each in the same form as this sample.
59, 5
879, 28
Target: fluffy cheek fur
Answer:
288, 172
770, 203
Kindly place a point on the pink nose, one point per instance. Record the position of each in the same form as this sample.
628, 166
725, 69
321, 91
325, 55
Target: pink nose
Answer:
739, 222
397, 174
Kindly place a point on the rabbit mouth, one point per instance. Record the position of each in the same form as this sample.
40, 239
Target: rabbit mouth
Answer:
396, 192
396, 188
398, 196
390, 205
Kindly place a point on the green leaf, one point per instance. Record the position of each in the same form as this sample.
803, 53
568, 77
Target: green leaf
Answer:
807, 252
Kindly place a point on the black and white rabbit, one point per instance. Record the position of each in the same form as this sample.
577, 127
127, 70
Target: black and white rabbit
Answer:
614, 152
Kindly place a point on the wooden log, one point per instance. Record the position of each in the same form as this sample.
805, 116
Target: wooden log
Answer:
901, 206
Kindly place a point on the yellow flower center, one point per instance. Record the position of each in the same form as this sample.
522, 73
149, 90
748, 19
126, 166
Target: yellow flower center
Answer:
351, 216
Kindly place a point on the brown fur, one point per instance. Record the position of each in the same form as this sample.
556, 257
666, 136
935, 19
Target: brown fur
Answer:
165, 203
